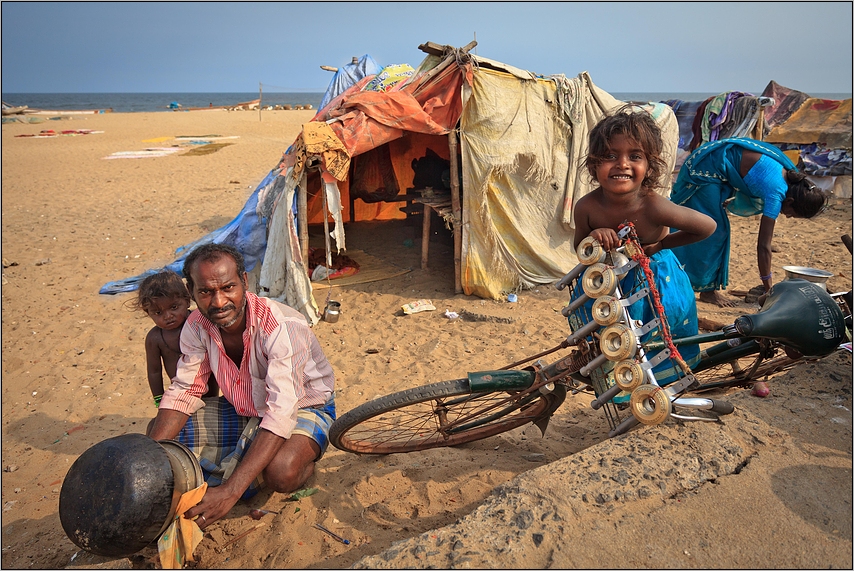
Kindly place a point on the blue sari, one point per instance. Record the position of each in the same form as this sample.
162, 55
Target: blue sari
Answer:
710, 176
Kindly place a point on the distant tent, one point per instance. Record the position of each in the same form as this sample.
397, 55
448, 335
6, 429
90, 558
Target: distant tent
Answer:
826, 122
815, 133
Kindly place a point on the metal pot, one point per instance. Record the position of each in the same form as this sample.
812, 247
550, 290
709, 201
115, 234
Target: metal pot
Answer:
333, 309
122, 493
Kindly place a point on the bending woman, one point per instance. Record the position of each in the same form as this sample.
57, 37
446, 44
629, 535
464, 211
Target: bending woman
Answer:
745, 177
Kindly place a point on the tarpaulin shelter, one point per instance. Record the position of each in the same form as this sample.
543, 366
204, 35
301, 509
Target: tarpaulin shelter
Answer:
513, 141
815, 133
823, 121
517, 138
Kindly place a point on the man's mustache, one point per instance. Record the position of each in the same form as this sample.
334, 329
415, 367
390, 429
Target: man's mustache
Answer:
223, 309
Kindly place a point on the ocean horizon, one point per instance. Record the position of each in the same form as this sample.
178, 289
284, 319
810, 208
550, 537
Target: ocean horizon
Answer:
152, 102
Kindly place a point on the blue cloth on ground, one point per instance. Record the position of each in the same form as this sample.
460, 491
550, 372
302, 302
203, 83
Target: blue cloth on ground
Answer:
247, 233
709, 177
677, 298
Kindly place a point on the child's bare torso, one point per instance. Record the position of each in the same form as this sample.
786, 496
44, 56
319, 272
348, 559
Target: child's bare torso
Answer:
169, 343
641, 212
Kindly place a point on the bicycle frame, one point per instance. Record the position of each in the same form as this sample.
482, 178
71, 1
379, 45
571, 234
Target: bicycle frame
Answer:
612, 347
597, 372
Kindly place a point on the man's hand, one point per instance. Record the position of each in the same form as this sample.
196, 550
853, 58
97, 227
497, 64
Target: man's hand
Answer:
216, 502
219, 499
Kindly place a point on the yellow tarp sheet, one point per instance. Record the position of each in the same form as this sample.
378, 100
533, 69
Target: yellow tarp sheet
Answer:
824, 121
522, 173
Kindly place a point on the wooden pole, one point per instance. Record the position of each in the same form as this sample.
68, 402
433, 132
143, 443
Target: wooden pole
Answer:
760, 123
302, 217
456, 209
259, 101
425, 237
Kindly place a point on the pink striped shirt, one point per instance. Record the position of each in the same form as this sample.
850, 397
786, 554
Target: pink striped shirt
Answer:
283, 367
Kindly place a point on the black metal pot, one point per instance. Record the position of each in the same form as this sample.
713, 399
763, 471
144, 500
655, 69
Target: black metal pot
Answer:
118, 496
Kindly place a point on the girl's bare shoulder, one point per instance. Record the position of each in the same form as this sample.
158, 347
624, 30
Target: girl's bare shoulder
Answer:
153, 338
590, 199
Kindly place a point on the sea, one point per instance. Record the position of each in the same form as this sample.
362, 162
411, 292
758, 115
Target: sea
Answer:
152, 102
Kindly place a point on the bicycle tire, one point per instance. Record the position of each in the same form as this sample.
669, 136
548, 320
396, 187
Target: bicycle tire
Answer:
742, 372
408, 421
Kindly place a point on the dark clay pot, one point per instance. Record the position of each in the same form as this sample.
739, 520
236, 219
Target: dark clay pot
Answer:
118, 496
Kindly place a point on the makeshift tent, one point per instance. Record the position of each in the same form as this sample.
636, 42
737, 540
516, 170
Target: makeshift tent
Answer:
826, 122
517, 138
522, 139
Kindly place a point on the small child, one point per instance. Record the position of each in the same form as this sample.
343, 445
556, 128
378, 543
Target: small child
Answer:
624, 159
165, 299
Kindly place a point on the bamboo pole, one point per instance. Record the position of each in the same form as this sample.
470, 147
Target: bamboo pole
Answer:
456, 210
302, 217
259, 101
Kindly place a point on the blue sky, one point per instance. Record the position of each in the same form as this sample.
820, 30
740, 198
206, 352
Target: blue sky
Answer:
232, 47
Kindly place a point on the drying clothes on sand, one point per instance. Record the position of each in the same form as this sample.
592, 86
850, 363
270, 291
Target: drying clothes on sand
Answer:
145, 153
47, 133
709, 177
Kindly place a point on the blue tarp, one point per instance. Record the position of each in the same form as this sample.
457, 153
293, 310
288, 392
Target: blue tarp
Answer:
348, 76
246, 232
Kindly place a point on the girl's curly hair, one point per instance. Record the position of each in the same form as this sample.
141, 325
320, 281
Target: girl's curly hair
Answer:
637, 125
162, 284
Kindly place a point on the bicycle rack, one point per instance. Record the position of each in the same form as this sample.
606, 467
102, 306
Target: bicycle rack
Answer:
617, 359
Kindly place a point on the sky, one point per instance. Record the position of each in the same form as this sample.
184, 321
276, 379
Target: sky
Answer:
627, 47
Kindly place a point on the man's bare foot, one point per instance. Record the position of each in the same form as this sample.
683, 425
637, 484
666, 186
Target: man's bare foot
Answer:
715, 298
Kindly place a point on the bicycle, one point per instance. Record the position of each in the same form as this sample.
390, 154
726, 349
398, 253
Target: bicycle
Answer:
609, 353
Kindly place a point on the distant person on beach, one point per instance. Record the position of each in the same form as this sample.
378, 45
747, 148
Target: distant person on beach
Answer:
165, 299
271, 423
624, 159
744, 177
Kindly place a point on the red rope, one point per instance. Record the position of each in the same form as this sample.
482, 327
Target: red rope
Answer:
637, 254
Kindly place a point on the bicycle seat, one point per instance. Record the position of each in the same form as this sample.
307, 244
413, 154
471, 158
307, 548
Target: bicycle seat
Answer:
798, 314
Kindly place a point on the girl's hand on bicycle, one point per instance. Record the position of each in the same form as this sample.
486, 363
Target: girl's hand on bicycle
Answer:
606, 237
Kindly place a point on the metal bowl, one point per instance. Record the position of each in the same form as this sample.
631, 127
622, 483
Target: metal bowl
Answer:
813, 275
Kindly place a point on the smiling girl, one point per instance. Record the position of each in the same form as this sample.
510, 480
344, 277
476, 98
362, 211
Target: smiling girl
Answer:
625, 161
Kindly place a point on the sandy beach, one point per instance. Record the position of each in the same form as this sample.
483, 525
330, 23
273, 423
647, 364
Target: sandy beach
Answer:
770, 487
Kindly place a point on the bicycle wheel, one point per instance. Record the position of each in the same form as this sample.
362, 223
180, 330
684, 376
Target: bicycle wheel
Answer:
741, 372
436, 415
